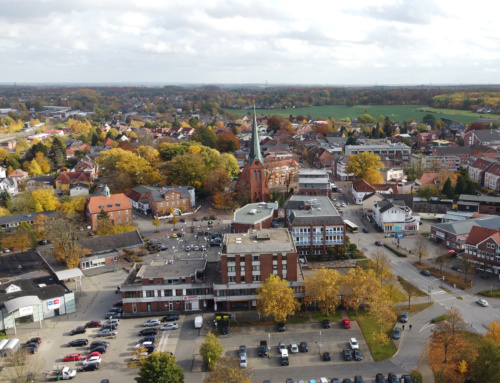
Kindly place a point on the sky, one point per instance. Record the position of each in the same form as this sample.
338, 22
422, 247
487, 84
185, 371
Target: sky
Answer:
320, 42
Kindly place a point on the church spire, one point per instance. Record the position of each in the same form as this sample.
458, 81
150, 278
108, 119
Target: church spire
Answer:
255, 144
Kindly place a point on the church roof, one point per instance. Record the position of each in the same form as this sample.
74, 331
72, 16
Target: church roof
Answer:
255, 153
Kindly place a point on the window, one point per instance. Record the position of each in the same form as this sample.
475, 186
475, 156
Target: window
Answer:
255, 268
255, 258
129, 294
231, 269
231, 279
168, 293
120, 213
150, 293
242, 269
256, 278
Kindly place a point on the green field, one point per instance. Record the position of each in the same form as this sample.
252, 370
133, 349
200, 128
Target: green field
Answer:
397, 113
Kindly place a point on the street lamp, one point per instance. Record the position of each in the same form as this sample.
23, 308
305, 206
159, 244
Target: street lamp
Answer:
320, 345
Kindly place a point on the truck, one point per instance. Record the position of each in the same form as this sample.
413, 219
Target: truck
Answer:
61, 373
198, 322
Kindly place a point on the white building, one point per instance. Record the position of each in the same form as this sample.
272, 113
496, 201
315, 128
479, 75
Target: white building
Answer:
395, 216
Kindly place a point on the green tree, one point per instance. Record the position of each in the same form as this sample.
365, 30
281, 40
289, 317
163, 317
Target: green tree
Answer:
211, 350
447, 189
366, 119
160, 367
275, 297
5, 200
471, 188
351, 141
429, 119
175, 171
461, 185
486, 366
205, 135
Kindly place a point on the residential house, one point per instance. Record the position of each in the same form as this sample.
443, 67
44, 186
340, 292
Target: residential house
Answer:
87, 166
360, 188
320, 157
492, 177
462, 152
12, 221
9, 185
3, 172
487, 137
428, 179
117, 207
19, 175
392, 174
478, 169
482, 248
78, 189
66, 179
394, 216
40, 182
315, 224
138, 197
160, 201
339, 169
9, 144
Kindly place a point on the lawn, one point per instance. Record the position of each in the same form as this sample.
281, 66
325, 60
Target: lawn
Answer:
369, 326
451, 279
333, 317
416, 292
416, 308
490, 293
394, 112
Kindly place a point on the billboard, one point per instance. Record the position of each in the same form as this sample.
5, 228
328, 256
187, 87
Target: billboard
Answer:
400, 235
23, 311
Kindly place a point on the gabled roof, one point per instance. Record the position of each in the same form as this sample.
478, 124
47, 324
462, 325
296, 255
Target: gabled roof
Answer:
482, 163
18, 173
486, 135
478, 234
362, 186
447, 150
114, 203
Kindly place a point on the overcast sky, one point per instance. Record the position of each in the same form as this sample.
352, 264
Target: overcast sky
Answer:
328, 42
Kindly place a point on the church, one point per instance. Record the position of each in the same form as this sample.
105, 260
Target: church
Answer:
252, 178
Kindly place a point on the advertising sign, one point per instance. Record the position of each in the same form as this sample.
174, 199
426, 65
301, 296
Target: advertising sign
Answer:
54, 304
23, 311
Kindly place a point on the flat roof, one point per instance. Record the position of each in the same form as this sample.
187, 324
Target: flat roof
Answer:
315, 173
254, 213
259, 241
317, 181
176, 269
15, 265
478, 198
322, 211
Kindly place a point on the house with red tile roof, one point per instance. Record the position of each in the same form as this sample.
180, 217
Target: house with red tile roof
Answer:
478, 169
360, 189
19, 175
492, 177
427, 179
108, 142
117, 206
482, 247
66, 179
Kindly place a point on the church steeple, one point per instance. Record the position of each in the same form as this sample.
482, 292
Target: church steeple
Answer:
255, 145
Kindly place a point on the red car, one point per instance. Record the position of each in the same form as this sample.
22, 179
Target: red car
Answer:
72, 357
118, 304
95, 353
93, 323
450, 252
346, 323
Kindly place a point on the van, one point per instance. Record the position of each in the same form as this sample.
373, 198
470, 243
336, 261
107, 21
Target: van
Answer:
198, 322
284, 357
10, 347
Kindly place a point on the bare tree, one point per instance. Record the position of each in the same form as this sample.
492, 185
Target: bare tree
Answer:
22, 367
421, 251
455, 321
442, 260
443, 335
468, 268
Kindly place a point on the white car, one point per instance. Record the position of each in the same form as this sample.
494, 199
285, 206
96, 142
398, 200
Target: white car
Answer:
482, 302
94, 359
114, 322
169, 326
343, 204
294, 349
243, 361
151, 323
323, 380
354, 344
144, 344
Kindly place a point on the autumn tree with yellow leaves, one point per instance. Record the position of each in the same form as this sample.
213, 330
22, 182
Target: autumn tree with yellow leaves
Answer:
323, 288
275, 297
228, 370
367, 166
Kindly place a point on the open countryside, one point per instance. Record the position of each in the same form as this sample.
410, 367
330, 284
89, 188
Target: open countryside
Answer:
394, 112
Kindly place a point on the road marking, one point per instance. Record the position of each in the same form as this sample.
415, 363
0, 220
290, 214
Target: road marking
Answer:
428, 325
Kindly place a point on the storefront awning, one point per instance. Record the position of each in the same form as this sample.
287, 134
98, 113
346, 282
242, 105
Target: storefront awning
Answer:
17, 303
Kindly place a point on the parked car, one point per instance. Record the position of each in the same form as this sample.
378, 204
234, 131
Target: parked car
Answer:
115, 310
482, 302
396, 334
346, 353
357, 355
354, 344
100, 349
99, 343
169, 326
89, 367
335, 380
148, 331
93, 353
242, 351
326, 323
93, 324
109, 327
94, 359
118, 303
294, 348
346, 380
378, 243
72, 357
281, 346
358, 379
149, 338
78, 330
365, 230
392, 378
346, 323
243, 361
326, 356
78, 343
114, 322
112, 314
380, 378
35, 340
144, 344
281, 327
404, 317
151, 323
406, 379
170, 318
303, 347
223, 329
427, 273
107, 332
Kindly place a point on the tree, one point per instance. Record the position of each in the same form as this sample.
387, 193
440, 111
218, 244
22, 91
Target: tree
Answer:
493, 332
21, 368
160, 367
442, 334
33, 168
380, 264
211, 350
467, 267
156, 222
19, 239
176, 173
41, 226
323, 288
427, 192
461, 185
351, 140
366, 119
447, 189
5, 200
486, 366
410, 289
228, 370
174, 220
204, 135
365, 165
45, 200
4, 212
421, 251
273, 123
63, 233
471, 187
455, 321
275, 297
359, 287
227, 142
429, 119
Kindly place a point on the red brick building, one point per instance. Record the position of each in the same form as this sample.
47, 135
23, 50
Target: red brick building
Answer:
482, 247
117, 206
160, 201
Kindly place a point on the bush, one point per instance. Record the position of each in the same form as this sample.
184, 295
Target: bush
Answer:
439, 319
397, 252
128, 251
